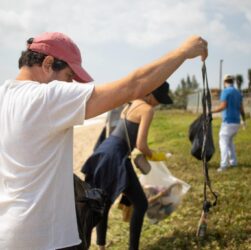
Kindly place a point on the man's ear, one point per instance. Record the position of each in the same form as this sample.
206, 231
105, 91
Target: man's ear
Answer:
47, 64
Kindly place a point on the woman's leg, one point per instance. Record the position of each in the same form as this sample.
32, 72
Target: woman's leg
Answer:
136, 195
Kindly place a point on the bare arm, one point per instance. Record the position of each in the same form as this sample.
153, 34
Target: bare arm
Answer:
145, 122
145, 79
242, 113
221, 107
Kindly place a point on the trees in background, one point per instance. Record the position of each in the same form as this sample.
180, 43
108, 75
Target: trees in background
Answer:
239, 81
249, 79
190, 85
186, 87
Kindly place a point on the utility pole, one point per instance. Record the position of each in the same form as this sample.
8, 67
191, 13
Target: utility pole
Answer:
220, 80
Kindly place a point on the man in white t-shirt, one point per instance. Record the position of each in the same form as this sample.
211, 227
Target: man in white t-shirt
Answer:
38, 110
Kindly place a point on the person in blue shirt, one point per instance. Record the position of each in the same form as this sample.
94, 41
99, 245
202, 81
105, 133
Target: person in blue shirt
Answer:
232, 109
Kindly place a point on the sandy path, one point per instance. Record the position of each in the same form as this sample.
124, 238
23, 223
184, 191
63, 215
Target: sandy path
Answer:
85, 138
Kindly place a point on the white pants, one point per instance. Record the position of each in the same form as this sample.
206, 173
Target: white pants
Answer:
227, 148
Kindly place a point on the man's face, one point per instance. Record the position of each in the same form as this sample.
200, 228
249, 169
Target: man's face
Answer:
48, 74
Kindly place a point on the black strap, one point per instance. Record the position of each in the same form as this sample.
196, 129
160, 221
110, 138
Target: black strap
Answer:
126, 130
206, 105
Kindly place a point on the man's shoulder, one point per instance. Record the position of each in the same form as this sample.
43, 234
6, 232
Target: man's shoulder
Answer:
224, 92
230, 94
231, 90
70, 85
22, 87
236, 92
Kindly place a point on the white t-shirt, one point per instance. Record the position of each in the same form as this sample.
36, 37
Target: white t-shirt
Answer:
37, 209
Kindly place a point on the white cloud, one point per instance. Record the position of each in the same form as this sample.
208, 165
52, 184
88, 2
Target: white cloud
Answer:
242, 6
140, 23
135, 25
10, 28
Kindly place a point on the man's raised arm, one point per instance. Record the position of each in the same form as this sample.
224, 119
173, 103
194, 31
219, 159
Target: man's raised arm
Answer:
144, 79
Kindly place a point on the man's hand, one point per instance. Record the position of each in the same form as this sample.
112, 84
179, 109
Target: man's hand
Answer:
243, 125
220, 107
195, 46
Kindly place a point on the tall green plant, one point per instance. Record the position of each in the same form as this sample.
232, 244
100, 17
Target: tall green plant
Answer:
239, 81
186, 87
249, 78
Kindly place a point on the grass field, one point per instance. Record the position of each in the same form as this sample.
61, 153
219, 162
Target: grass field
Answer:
229, 224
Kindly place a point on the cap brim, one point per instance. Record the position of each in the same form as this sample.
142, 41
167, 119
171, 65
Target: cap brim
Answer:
80, 74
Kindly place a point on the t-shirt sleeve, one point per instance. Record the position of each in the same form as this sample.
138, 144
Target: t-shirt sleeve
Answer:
224, 96
66, 103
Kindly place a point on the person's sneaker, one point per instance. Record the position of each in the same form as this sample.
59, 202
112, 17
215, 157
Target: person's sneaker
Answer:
221, 169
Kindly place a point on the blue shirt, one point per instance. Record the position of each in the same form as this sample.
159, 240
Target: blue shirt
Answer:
233, 98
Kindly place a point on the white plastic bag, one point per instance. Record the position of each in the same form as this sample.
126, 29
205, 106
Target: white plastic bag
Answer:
163, 190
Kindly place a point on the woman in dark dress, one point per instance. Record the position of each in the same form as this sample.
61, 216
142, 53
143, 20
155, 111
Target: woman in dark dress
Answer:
110, 169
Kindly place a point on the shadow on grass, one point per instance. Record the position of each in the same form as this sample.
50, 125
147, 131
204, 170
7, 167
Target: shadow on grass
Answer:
245, 165
214, 240
215, 166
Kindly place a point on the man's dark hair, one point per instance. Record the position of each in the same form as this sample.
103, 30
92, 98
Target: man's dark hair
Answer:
229, 81
30, 58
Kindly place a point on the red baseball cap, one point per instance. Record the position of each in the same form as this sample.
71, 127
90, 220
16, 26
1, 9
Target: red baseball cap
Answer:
61, 47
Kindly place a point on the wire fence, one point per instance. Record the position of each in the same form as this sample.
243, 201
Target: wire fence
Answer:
194, 102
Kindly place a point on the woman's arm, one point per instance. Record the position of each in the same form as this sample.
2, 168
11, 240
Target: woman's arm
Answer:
145, 122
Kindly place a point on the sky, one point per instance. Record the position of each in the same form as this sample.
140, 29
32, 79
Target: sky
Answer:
118, 36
